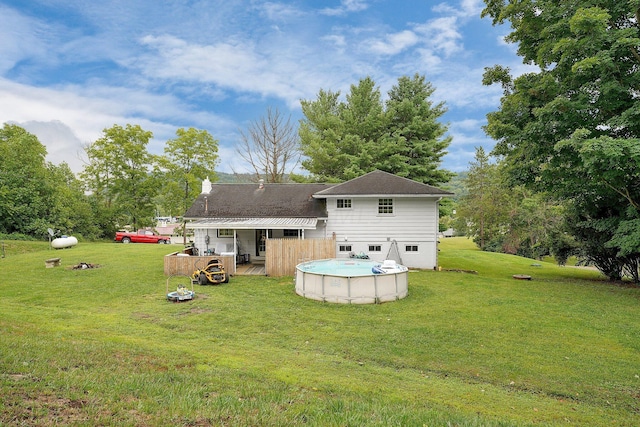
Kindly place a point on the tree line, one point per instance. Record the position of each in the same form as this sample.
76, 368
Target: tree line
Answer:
121, 183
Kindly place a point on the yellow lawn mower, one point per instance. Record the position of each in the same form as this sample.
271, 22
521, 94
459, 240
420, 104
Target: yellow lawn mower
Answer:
212, 274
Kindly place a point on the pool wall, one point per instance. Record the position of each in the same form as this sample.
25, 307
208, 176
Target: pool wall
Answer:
345, 289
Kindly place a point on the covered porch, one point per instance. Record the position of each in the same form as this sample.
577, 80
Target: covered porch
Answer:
245, 239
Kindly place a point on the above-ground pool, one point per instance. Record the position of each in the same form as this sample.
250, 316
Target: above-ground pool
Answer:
351, 281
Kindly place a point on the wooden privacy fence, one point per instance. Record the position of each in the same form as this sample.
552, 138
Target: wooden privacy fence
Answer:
284, 254
175, 264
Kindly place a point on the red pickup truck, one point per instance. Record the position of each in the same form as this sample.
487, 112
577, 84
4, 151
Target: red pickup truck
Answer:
142, 236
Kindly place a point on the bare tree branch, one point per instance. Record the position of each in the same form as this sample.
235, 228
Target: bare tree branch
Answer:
270, 147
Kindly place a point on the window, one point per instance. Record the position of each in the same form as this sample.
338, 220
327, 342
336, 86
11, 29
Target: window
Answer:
344, 248
343, 203
225, 232
290, 233
375, 248
385, 206
411, 248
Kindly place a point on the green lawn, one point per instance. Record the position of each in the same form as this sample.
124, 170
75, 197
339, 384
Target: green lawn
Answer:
105, 347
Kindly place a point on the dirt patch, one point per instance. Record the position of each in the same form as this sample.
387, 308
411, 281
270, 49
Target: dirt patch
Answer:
199, 310
43, 410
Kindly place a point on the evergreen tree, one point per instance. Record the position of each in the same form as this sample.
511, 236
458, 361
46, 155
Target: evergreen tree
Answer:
345, 139
481, 213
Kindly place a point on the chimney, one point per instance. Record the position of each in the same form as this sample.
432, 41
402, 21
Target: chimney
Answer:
261, 184
206, 186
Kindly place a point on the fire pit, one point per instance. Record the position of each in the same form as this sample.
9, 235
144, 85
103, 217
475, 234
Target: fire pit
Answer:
84, 266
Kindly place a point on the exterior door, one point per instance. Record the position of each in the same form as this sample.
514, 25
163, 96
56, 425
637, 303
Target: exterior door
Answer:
261, 243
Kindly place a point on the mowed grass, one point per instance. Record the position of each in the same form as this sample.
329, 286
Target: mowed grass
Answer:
104, 346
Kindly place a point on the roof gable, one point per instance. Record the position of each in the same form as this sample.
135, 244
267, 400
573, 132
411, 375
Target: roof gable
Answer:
381, 183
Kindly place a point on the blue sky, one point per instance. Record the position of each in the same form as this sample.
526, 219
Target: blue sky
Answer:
71, 68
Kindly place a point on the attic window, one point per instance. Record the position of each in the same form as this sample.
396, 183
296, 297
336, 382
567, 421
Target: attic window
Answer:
343, 203
385, 206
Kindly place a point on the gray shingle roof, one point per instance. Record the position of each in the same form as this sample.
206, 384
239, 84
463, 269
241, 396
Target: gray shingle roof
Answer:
382, 183
249, 201
299, 200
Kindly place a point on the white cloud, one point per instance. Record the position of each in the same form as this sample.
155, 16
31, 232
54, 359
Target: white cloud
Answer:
462, 87
166, 65
441, 35
19, 36
68, 117
337, 40
467, 8
346, 6
394, 43
467, 125
61, 142
286, 72
280, 11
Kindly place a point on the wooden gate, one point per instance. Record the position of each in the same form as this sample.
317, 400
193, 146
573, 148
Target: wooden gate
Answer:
284, 254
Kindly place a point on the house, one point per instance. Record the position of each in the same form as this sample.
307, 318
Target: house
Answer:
378, 214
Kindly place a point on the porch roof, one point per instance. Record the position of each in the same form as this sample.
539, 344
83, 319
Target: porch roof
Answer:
254, 223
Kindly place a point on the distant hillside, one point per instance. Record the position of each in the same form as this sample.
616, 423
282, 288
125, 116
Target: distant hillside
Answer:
231, 178
456, 185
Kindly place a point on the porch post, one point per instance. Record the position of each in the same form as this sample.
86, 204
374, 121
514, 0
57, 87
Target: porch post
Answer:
235, 250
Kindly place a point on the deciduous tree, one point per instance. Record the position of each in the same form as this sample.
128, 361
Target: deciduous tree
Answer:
119, 176
270, 147
25, 193
570, 128
188, 159
36, 195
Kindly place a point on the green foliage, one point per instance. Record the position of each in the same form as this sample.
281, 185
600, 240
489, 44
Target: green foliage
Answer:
501, 217
572, 129
482, 212
36, 195
119, 177
104, 347
24, 191
71, 211
343, 140
188, 159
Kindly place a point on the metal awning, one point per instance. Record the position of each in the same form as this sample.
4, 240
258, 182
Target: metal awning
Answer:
254, 223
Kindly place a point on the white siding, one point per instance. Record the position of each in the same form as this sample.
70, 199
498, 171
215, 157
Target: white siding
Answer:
414, 222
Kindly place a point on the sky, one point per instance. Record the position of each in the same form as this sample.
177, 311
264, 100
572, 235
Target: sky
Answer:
71, 68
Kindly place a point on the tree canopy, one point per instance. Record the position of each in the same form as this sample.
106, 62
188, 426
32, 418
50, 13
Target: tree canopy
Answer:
345, 139
36, 195
573, 128
187, 160
119, 176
